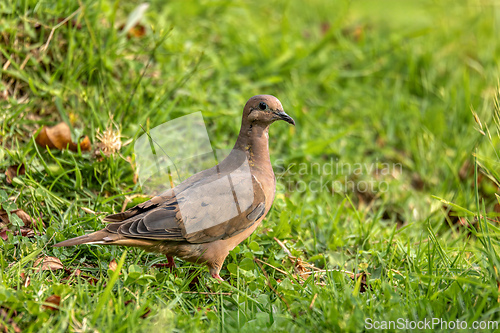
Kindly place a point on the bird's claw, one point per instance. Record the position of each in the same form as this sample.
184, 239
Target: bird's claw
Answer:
217, 277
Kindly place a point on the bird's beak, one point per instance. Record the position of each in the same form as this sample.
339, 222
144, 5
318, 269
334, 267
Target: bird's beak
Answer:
283, 116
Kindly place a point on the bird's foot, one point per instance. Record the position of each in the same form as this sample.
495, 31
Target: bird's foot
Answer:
217, 277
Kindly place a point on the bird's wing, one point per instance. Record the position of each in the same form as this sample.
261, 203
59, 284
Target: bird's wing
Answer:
216, 205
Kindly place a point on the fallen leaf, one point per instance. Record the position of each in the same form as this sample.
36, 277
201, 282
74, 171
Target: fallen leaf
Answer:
4, 235
26, 229
14, 171
53, 299
27, 220
137, 31
59, 136
48, 264
27, 232
113, 265
301, 269
26, 279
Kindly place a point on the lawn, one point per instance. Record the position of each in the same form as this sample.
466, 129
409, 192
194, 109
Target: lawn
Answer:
387, 203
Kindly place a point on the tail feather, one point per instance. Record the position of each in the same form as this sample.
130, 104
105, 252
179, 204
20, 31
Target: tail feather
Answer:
107, 238
93, 238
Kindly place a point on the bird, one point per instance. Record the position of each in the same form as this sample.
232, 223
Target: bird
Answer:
207, 215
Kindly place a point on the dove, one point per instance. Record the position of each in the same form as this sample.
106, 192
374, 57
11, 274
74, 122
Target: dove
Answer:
210, 213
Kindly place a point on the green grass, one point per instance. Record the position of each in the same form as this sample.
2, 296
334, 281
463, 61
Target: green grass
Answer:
374, 85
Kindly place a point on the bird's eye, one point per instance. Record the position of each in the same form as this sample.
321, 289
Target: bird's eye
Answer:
262, 106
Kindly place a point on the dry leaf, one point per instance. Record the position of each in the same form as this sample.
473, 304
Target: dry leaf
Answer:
14, 171
59, 137
26, 279
4, 235
137, 31
53, 299
113, 265
27, 220
48, 264
26, 230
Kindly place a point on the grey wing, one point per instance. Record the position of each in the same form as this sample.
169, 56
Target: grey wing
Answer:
217, 207
221, 208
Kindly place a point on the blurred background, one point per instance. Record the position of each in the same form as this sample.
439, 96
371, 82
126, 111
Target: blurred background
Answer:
393, 101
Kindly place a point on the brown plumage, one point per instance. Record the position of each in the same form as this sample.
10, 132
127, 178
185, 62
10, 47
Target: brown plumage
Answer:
201, 220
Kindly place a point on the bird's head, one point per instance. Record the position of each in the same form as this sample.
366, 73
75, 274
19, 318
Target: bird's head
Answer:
265, 109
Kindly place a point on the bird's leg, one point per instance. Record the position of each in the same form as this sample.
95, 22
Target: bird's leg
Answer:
170, 264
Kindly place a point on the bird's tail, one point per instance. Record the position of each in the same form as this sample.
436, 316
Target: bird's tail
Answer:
107, 238
93, 238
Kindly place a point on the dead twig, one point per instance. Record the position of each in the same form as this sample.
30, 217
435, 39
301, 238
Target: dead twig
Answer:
271, 286
313, 300
285, 249
279, 270
57, 26
206, 293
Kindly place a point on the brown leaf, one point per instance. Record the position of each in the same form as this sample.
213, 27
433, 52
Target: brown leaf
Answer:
301, 269
48, 264
137, 31
84, 145
26, 230
4, 235
59, 136
14, 171
27, 220
26, 279
113, 265
53, 299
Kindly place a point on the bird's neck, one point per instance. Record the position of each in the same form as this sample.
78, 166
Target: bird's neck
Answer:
254, 141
